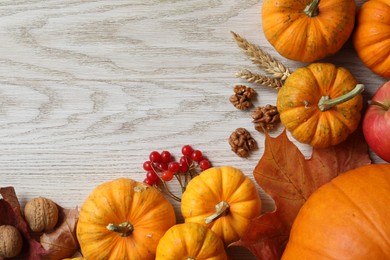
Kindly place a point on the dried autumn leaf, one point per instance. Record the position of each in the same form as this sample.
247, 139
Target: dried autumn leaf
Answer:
10, 214
62, 242
285, 174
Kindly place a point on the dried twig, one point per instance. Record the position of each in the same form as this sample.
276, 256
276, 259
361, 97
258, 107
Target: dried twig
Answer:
259, 79
262, 59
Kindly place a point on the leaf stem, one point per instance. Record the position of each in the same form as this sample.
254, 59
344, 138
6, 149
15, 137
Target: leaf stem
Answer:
326, 103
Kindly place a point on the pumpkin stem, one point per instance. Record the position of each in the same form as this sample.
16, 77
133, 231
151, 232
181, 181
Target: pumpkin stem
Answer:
326, 103
123, 229
220, 209
311, 9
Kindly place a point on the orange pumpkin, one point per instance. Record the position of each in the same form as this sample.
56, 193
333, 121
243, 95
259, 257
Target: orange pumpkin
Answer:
308, 30
372, 36
190, 241
123, 219
224, 199
320, 104
347, 218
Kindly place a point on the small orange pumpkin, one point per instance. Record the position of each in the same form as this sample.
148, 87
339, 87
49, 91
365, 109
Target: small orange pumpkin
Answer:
308, 30
347, 218
320, 104
123, 219
224, 199
190, 241
371, 38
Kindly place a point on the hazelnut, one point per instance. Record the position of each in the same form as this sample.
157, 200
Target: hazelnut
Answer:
41, 214
11, 241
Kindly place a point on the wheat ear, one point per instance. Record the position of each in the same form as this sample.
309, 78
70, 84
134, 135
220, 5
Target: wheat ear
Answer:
261, 58
259, 79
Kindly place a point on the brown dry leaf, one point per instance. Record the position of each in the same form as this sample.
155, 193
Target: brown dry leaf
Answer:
62, 242
10, 214
285, 174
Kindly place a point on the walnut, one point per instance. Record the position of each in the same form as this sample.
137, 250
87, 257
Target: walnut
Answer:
11, 241
242, 97
244, 91
41, 214
242, 143
266, 118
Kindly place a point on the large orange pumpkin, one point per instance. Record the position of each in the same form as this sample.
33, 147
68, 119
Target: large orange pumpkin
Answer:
320, 104
347, 218
123, 219
308, 30
372, 36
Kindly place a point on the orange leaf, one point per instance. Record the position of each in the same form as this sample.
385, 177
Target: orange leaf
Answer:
285, 174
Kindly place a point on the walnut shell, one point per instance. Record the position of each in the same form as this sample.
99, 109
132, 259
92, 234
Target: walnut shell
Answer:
41, 214
11, 241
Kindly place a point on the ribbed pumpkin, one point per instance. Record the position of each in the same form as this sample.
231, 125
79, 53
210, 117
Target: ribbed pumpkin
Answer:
123, 219
372, 36
191, 241
308, 30
320, 104
347, 218
222, 198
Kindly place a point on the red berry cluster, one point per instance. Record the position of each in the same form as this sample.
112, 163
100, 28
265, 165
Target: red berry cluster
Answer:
162, 167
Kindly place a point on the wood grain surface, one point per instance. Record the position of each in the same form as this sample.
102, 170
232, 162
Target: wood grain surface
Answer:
89, 88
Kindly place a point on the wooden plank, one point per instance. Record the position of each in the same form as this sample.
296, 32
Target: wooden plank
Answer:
89, 88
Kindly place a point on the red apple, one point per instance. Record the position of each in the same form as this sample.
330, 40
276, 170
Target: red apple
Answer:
376, 122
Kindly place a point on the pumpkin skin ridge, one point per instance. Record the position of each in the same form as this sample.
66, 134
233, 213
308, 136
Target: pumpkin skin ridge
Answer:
289, 32
377, 37
375, 47
362, 212
234, 195
317, 72
190, 240
344, 232
373, 25
372, 61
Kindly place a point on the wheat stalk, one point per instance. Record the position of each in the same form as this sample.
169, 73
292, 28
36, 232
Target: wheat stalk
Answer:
261, 58
260, 79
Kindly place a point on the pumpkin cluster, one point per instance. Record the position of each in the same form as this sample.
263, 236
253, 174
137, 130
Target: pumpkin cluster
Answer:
126, 219
311, 30
321, 104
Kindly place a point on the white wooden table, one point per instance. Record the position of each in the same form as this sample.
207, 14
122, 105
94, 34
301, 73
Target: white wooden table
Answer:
89, 88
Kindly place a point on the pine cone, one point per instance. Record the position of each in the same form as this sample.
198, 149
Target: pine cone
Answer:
266, 118
242, 96
242, 142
